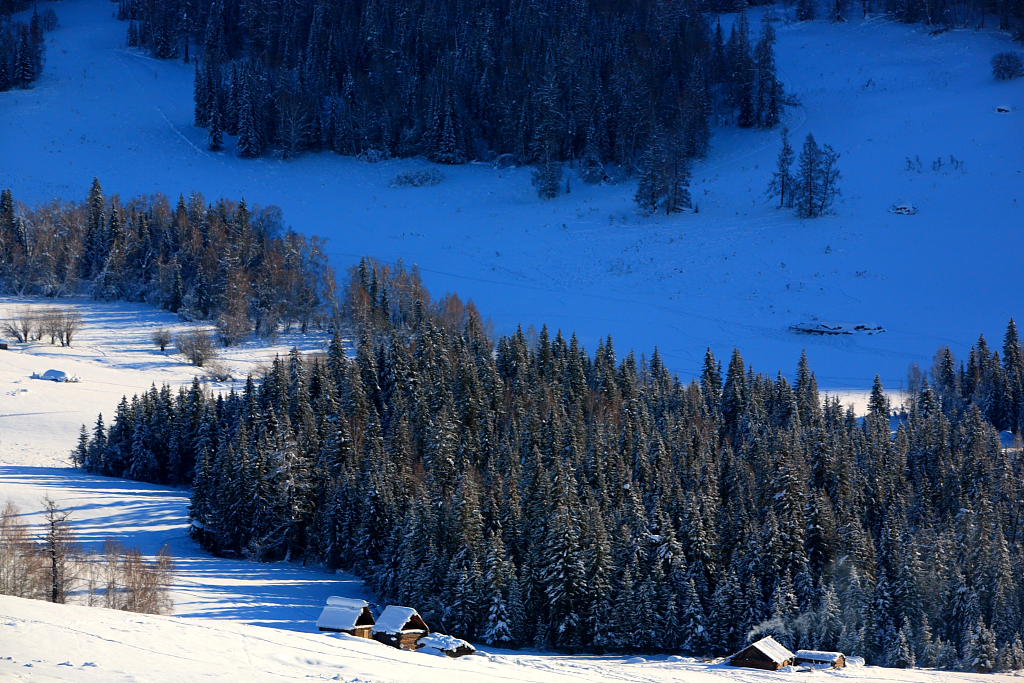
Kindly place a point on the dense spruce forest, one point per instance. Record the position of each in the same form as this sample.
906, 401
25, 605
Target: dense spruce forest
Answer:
22, 45
598, 82
223, 261
524, 492
594, 82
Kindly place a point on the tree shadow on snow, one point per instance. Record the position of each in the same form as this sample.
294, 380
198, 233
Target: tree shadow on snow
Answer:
148, 516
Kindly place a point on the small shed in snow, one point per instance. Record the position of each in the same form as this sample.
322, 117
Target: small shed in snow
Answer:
820, 659
346, 615
766, 653
400, 627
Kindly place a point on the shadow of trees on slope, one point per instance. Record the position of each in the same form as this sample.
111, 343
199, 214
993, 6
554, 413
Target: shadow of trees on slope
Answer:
147, 516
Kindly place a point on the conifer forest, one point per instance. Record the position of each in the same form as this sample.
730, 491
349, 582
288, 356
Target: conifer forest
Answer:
523, 491
223, 262
22, 45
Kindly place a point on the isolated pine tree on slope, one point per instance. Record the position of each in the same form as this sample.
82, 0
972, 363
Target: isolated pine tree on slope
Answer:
782, 181
817, 180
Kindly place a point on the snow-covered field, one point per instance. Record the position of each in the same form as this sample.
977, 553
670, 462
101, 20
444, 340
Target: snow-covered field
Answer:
47, 642
739, 273
39, 420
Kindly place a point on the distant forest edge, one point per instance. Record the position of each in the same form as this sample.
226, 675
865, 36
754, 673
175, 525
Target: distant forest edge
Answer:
224, 262
524, 492
592, 82
455, 81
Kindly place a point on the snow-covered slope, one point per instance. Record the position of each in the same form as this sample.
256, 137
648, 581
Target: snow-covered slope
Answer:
47, 642
739, 273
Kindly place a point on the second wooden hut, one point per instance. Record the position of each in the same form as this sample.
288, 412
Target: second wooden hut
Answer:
400, 627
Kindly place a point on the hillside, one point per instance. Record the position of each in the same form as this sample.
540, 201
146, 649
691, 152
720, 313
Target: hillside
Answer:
739, 273
913, 114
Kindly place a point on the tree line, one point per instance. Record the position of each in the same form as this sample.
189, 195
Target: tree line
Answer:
223, 261
525, 492
22, 45
454, 81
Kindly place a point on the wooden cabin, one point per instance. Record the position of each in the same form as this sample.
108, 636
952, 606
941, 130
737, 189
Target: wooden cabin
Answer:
820, 659
766, 653
400, 627
346, 615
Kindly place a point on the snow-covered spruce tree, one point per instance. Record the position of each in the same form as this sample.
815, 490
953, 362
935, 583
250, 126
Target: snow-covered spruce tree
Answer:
981, 652
743, 73
215, 139
547, 179
767, 88
1007, 66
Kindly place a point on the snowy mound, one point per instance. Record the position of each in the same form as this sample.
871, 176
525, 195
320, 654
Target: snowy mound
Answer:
441, 644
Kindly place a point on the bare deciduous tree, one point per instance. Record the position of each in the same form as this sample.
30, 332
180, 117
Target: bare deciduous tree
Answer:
117, 578
68, 325
21, 325
58, 545
197, 346
22, 566
162, 338
60, 325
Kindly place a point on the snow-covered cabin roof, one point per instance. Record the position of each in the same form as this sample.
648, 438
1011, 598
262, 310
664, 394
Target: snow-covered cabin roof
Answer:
819, 656
55, 375
775, 650
396, 619
339, 601
343, 614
